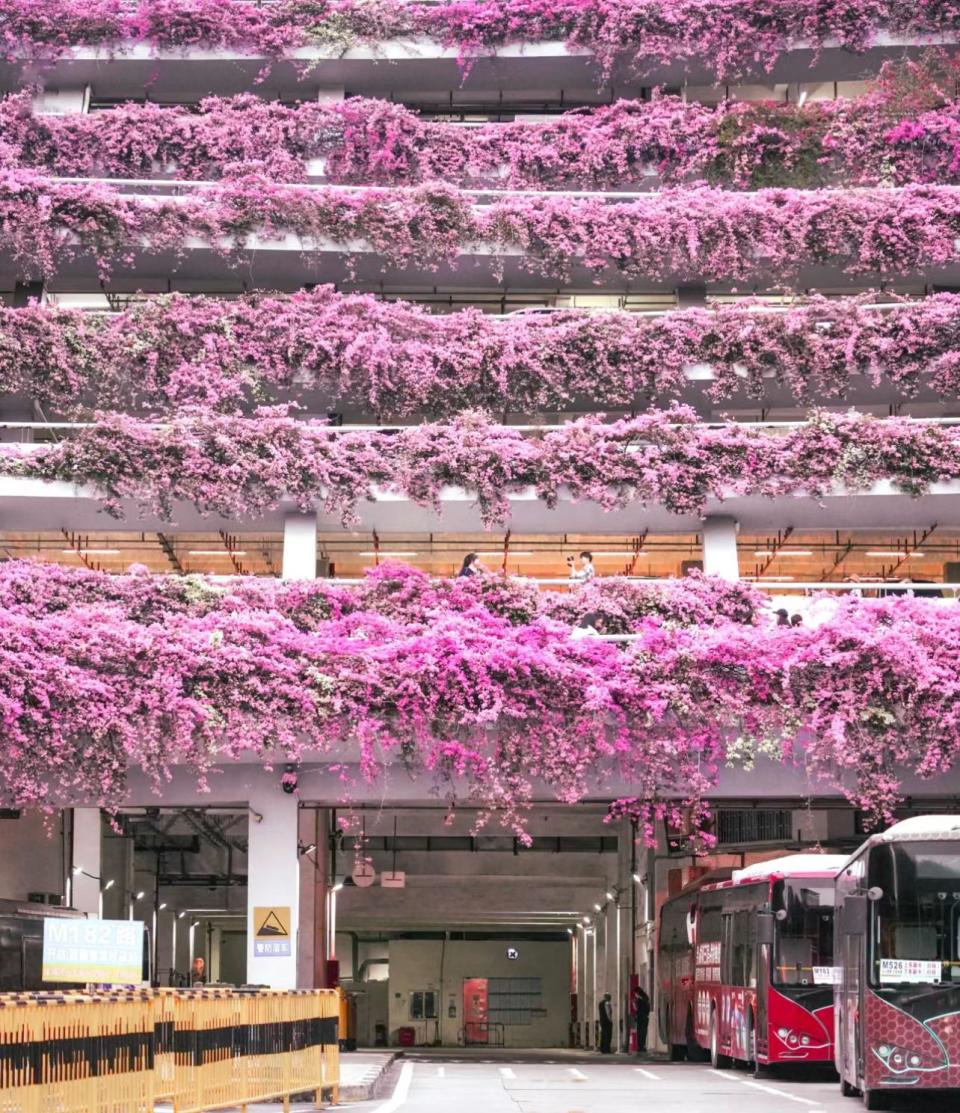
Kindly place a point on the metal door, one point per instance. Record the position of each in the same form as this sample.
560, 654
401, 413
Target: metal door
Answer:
475, 1028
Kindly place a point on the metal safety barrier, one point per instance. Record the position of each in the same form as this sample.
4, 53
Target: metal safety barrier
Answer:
194, 1049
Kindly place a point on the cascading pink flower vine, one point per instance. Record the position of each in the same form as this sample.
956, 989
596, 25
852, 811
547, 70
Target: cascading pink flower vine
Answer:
493, 705
862, 142
396, 360
243, 467
730, 35
681, 234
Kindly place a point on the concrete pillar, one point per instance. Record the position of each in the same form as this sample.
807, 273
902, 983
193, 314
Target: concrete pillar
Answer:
215, 939
273, 881
693, 295
314, 869
720, 547
85, 890
62, 102
582, 985
299, 547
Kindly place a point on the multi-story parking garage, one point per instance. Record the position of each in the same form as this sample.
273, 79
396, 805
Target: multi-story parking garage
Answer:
299, 310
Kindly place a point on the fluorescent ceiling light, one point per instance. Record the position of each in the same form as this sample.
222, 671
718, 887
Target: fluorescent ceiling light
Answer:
780, 577
511, 553
91, 552
389, 553
217, 552
623, 553
782, 552
891, 553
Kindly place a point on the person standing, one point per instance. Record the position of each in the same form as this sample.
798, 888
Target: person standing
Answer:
586, 571
606, 1024
472, 566
641, 1014
198, 972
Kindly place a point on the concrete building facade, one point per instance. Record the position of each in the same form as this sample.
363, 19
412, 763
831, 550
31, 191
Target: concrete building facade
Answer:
385, 887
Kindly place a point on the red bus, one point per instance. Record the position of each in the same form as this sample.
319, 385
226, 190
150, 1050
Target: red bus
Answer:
745, 966
898, 956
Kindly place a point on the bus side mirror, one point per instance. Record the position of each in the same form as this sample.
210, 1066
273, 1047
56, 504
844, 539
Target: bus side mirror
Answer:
854, 916
765, 928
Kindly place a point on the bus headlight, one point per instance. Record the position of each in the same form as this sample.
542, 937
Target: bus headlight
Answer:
905, 1060
796, 1040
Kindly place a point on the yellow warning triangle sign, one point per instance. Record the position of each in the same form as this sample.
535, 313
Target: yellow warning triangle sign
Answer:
271, 925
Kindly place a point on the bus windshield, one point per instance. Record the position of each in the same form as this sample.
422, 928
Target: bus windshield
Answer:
916, 913
803, 939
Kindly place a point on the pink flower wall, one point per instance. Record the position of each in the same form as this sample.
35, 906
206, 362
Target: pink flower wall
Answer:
397, 360
874, 140
677, 235
477, 687
474, 687
244, 467
728, 35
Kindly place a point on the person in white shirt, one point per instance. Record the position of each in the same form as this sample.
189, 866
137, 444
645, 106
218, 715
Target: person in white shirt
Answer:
586, 571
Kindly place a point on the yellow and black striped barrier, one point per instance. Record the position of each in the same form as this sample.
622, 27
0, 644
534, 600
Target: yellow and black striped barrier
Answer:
204, 1049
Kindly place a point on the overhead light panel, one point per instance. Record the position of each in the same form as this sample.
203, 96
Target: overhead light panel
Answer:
884, 553
217, 552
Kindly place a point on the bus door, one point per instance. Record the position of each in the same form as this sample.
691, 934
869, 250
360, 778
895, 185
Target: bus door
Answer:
761, 1027
727, 1004
848, 994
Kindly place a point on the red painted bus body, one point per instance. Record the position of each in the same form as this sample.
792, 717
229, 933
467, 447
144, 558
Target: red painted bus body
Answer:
898, 958
745, 965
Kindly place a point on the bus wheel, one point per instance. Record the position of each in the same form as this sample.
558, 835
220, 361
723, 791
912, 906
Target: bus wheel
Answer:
876, 1099
718, 1060
847, 1090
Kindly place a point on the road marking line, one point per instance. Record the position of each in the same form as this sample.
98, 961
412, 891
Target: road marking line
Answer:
441, 1071
507, 1072
647, 1074
578, 1075
399, 1097
809, 1102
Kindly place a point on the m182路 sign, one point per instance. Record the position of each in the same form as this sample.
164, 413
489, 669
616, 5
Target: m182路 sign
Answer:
107, 951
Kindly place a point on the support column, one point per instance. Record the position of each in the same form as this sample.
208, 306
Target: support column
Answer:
85, 856
273, 881
62, 102
720, 547
582, 985
314, 871
299, 547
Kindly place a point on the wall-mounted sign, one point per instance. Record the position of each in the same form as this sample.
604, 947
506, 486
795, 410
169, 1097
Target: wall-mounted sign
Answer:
393, 879
105, 951
363, 875
271, 932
